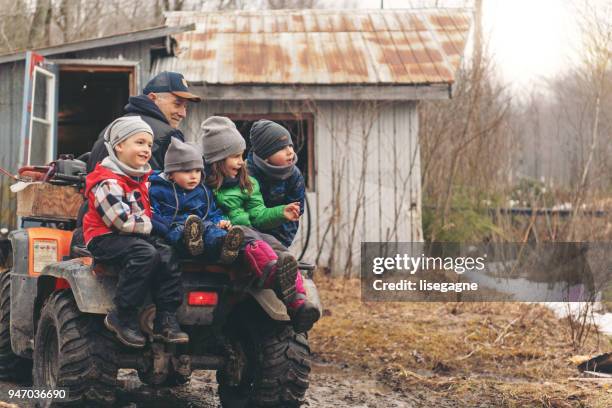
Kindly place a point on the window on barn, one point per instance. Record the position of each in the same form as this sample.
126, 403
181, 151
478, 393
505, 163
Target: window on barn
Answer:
301, 128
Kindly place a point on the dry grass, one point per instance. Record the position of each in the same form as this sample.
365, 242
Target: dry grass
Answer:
467, 354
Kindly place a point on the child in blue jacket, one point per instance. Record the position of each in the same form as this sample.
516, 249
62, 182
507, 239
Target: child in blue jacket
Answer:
184, 209
272, 161
185, 214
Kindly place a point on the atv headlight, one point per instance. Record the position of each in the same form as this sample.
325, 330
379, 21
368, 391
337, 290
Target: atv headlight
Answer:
44, 252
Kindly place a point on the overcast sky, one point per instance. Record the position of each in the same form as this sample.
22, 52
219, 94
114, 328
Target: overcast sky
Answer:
530, 39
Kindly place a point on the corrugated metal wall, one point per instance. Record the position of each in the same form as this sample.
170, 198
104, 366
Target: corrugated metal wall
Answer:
11, 97
367, 164
139, 51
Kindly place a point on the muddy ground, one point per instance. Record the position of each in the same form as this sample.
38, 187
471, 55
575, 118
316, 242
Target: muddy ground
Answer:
331, 386
448, 355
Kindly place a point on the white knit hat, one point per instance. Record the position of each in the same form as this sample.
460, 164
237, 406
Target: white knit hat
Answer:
124, 127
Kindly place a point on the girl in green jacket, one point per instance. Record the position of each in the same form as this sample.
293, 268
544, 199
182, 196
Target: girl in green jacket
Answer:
238, 195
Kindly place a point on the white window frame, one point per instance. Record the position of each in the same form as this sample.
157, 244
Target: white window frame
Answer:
50, 118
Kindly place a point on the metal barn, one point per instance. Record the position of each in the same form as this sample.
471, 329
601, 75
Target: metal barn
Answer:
56, 100
345, 82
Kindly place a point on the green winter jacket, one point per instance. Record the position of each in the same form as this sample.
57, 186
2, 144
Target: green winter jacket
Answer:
244, 209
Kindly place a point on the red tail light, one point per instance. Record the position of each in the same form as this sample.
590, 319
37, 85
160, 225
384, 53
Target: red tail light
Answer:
202, 298
61, 283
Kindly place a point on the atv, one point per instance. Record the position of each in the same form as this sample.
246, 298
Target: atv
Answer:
54, 297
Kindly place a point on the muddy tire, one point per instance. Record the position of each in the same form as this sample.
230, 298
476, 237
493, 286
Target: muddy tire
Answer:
277, 372
74, 350
12, 367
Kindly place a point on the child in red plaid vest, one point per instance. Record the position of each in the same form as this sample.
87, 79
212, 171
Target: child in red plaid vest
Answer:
117, 229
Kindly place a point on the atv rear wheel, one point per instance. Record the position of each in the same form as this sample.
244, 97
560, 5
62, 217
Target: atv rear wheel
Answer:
74, 350
12, 367
276, 375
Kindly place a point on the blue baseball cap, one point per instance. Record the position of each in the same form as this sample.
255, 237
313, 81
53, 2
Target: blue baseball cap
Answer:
172, 82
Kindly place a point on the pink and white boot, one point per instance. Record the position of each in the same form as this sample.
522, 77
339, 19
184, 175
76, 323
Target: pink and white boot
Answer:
276, 272
281, 274
303, 313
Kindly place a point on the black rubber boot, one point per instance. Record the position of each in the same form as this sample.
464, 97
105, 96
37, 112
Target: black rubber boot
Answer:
304, 317
284, 278
166, 328
125, 326
231, 245
192, 235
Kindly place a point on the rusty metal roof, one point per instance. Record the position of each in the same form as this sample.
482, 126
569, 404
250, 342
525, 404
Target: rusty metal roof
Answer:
98, 42
322, 47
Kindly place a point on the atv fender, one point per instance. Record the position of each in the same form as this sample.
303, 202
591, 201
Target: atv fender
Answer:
275, 308
312, 293
93, 292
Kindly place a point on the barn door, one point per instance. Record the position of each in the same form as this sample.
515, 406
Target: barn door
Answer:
39, 113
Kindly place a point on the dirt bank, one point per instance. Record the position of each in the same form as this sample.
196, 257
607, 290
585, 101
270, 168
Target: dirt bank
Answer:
458, 354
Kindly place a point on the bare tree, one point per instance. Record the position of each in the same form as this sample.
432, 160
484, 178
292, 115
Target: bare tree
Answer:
51, 22
596, 29
14, 25
291, 4
175, 5
39, 28
465, 142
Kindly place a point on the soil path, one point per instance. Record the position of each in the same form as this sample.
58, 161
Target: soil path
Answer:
330, 386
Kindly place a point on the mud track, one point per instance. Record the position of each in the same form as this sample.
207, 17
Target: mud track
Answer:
330, 386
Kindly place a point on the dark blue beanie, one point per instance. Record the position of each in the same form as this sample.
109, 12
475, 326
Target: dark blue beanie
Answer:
268, 137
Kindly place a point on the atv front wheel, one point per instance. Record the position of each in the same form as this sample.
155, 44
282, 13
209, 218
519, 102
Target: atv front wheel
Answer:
74, 350
12, 367
276, 375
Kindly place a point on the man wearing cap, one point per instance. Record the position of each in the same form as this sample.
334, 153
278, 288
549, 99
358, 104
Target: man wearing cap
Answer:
162, 105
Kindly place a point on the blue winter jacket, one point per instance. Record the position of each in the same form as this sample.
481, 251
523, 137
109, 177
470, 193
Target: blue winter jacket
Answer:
277, 192
168, 220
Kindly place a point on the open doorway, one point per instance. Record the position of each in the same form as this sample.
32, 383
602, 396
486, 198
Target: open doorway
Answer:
89, 98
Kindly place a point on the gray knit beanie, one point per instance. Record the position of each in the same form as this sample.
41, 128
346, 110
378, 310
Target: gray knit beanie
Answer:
118, 131
182, 156
268, 137
220, 139
124, 127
